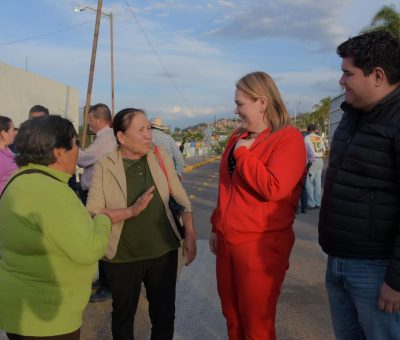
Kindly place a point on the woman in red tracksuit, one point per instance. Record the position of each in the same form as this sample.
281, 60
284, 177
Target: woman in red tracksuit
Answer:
259, 187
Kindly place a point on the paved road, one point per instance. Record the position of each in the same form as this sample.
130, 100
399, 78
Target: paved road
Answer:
302, 310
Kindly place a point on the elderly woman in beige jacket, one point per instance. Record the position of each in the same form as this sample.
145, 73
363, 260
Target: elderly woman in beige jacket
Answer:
132, 186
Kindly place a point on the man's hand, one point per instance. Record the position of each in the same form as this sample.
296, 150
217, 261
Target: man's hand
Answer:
389, 301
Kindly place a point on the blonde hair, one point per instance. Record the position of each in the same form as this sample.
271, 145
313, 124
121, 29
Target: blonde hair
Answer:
260, 84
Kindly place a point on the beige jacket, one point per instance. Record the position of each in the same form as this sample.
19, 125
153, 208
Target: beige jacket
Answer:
108, 189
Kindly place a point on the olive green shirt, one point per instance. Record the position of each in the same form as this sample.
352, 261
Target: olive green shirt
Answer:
148, 235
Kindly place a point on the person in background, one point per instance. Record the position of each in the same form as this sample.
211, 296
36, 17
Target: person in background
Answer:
38, 111
144, 246
259, 187
168, 144
50, 244
315, 157
303, 195
182, 146
12, 146
360, 214
7, 161
99, 120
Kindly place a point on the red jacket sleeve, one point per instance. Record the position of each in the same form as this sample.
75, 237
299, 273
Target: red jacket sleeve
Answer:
275, 178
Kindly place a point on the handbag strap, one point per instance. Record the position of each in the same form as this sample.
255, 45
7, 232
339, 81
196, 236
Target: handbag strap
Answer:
162, 165
27, 171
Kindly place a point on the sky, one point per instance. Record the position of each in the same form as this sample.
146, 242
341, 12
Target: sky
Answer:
180, 59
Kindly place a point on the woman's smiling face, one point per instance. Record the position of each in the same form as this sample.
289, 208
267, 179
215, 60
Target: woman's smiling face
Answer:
250, 111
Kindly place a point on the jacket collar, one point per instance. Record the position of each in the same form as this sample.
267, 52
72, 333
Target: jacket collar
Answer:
386, 101
116, 167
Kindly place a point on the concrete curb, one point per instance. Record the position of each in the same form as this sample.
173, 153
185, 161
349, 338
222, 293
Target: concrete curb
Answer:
191, 167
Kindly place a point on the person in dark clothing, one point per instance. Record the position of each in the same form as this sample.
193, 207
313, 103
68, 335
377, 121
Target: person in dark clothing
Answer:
38, 111
360, 211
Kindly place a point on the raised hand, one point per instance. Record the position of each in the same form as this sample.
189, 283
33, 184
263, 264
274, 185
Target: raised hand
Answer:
142, 202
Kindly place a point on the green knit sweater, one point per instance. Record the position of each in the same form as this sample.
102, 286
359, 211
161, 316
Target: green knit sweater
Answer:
49, 248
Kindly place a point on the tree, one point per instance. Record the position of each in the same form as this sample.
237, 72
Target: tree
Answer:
386, 19
318, 116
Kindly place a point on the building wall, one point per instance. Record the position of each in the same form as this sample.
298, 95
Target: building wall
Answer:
20, 90
335, 114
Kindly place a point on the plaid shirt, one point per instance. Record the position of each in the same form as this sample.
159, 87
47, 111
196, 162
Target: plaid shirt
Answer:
168, 144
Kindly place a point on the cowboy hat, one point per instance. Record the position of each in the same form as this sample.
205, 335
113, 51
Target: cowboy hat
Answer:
157, 123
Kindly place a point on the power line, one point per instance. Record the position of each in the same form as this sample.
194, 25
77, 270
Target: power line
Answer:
167, 73
45, 34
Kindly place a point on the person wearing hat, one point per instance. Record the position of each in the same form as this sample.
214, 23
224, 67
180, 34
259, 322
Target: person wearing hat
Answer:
159, 137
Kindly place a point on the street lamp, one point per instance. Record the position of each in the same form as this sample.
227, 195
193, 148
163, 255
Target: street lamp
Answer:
91, 71
110, 15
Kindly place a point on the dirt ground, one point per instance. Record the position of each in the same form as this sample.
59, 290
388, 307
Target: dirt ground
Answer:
97, 321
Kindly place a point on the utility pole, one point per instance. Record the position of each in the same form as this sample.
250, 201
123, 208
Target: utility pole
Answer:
110, 15
91, 72
112, 64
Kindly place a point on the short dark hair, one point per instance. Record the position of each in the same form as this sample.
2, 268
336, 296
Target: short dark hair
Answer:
39, 108
311, 127
123, 119
37, 138
5, 123
101, 111
374, 49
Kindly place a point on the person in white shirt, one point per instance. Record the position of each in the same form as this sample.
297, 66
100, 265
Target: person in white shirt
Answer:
316, 145
99, 121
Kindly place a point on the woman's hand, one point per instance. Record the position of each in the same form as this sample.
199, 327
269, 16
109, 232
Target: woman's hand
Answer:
212, 242
189, 247
122, 214
142, 202
247, 143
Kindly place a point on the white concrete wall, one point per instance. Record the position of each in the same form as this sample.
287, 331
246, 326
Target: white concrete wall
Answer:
20, 90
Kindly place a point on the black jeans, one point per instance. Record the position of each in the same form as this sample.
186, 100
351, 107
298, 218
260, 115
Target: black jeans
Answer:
303, 196
159, 278
102, 276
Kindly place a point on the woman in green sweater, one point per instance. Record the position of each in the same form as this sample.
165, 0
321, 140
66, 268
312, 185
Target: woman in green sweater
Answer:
49, 244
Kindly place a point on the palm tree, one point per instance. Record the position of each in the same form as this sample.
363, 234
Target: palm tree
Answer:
318, 115
386, 19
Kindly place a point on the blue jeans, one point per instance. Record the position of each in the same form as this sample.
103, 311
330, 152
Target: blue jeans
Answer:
353, 287
313, 183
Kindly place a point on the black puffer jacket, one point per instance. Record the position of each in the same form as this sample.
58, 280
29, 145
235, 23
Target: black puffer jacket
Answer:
360, 210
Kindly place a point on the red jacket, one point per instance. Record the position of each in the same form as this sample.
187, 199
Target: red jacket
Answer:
262, 195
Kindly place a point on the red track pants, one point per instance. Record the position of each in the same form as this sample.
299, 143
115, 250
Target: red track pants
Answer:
249, 279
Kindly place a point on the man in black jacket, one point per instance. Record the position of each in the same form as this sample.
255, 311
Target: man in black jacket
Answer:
359, 224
